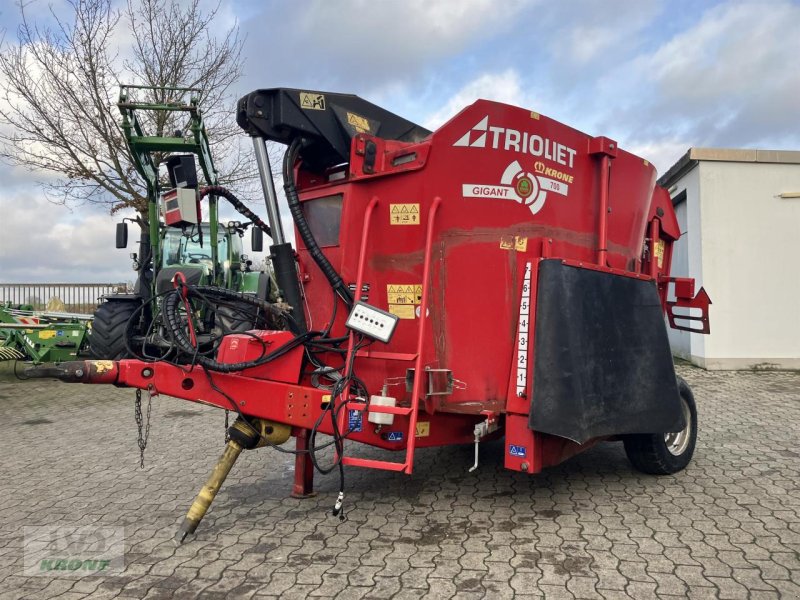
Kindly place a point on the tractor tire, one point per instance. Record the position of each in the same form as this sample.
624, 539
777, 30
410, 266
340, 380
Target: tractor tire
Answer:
107, 340
664, 454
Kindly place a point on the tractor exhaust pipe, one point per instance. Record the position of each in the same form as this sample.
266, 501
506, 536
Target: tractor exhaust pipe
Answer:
77, 371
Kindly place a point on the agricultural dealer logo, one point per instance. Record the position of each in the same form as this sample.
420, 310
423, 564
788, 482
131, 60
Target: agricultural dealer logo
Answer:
483, 135
55, 551
519, 185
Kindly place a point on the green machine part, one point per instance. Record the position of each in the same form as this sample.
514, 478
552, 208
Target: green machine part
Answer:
44, 338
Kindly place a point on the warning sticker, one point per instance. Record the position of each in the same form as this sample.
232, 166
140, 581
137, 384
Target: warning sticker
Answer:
359, 123
311, 101
354, 421
423, 429
404, 294
660, 253
47, 334
404, 214
520, 451
514, 242
404, 311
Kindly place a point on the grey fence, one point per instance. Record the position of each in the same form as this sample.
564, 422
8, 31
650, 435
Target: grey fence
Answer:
59, 297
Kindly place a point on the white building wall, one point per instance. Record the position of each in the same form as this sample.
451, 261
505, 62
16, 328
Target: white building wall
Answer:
750, 264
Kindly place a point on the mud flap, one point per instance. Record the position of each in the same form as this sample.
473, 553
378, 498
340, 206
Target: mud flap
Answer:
602, 363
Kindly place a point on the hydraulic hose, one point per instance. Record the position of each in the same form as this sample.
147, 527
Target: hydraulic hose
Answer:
176, 326
218, 190
304, 230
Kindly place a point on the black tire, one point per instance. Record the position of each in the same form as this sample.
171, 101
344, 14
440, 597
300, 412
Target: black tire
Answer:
107, 340
655, 453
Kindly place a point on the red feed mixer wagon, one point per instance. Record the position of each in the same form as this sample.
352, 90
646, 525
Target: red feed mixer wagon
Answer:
503, 276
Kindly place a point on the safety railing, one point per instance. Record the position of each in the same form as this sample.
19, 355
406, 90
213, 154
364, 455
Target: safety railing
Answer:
59, 297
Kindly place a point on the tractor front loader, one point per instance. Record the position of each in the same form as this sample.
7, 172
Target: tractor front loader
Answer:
174, 237
502, 276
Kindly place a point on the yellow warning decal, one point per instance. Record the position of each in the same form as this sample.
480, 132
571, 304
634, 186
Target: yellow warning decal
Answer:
404, 294
326, 399
101, 366
47, 334
404, 311
404, 214
660, 252
514, 242
359, 123
423, 429
311, 101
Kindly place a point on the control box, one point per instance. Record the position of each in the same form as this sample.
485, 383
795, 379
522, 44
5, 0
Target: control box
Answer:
181, 207
372, 322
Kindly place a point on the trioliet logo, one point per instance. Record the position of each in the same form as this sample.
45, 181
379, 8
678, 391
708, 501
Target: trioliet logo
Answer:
483, 135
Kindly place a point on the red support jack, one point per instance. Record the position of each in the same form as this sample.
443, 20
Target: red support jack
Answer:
303, 467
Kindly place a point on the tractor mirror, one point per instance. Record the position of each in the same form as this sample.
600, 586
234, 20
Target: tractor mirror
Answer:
256, 239
122, 235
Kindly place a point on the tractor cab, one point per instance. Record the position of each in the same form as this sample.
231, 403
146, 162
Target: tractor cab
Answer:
189, 251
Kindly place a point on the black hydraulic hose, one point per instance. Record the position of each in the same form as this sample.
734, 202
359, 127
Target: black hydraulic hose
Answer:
176, 326
304, 230
240, 206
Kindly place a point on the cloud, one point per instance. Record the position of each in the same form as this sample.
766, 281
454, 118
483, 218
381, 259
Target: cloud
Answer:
584, 34
52, 243
726, 80
358, 45
501, 87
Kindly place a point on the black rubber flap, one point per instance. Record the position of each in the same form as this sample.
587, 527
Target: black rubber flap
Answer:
602, 362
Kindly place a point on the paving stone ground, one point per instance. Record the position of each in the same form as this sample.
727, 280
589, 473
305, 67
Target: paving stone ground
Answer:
726, 527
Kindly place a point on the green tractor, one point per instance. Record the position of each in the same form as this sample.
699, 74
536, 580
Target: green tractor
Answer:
175, 239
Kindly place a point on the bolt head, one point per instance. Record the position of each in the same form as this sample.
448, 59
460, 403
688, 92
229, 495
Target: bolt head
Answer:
524, 466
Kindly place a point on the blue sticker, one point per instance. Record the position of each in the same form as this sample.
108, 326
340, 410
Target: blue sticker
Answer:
354, 420
394, 436
517, 450
59, 333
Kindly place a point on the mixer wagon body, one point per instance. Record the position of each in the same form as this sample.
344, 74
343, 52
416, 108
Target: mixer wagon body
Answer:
523, 268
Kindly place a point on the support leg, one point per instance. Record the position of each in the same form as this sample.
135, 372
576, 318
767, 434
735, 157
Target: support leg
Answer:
303, 467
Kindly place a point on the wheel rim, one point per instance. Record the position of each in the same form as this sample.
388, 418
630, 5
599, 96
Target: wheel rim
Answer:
678, 442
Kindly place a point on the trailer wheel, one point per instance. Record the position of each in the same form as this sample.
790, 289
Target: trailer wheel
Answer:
107, 340
665, 453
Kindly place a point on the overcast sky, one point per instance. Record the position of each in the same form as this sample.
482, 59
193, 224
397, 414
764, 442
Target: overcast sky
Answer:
658, 76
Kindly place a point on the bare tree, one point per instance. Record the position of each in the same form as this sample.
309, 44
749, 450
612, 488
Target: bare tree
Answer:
59, 86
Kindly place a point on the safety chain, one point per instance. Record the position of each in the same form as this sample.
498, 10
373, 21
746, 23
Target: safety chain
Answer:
142, 425
227, 434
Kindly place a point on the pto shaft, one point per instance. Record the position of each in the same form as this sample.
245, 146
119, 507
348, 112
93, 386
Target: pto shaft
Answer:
243, 436
209, 491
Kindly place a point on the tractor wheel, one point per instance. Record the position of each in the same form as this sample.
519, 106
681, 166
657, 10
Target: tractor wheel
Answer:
107, 340
665, 453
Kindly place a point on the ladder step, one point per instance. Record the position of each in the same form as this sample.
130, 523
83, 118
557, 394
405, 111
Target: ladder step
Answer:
373, 464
